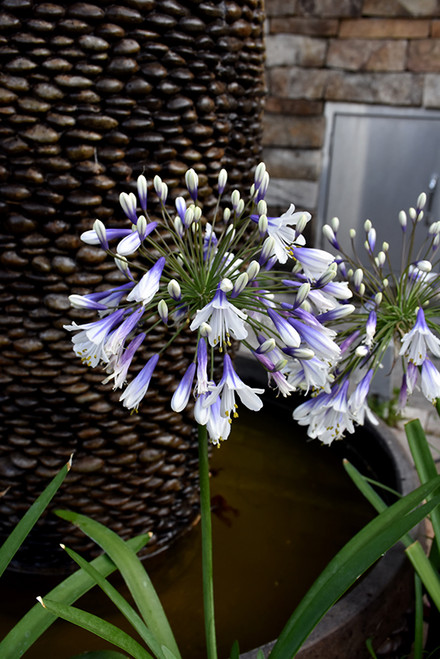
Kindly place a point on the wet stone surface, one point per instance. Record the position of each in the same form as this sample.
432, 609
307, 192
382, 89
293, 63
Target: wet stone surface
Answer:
93, 94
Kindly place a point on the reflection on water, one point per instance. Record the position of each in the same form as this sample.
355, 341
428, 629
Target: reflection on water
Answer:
282, 508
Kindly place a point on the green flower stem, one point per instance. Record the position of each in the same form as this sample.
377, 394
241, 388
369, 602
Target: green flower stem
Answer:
205, 510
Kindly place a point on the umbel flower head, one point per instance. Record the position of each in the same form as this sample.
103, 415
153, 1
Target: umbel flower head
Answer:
397, 309
217, 280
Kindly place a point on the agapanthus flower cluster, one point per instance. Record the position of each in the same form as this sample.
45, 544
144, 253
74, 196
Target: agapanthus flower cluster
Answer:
216, 280
400, 310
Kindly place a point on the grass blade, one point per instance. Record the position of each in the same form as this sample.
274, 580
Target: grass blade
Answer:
120, 602
351, 561
37, 620
424, 464
97, 626
29, 519
418, 619
134, 574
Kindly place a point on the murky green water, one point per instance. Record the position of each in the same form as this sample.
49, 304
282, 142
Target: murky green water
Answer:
282, 508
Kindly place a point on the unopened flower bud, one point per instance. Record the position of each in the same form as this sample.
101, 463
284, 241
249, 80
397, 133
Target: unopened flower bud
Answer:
402, 219
99, 229
266, 346
222, 180
253, 270
303, 292
262, 207
162, 309
362, 289
192, 182
421, 201
385, 283
367, 225
227, 214
259, 174
174, 290
385, 246
142, 189
361, 351
358, 277
189, 216
128, 204
412, 213
268, 249
262, 225
424, 266
334, 223
329, 233
240, 284
281, 363
178, 226
226, 285
205, 329
197, 213
352, 233
380, 259
302, 223
142, 225
240, 207
235, 198
378, 298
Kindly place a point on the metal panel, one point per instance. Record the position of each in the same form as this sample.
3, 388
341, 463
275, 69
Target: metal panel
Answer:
377, 160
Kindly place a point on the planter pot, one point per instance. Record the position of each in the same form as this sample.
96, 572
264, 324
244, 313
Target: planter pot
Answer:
376, 607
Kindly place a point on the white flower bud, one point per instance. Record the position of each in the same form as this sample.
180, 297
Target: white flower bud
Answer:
302, 222
178, 226
361, 351
253, 270
424, 266
420, 216
281, 363
412, 213
262, 207
205, 329
235, 198
380, 259
142, 188
385, 283
367, 225
402, 219
226, 285
352, 233
385, 246
328, 233
421, 201
227, 214
267, 346
240, 283
362, 289
434, 228
262, 225
350, 273
303, 292
378, 298
174, 290
334, 223
189, 216
99, 229
141, 225
240, 207
222, 180
358, 277
268, 248
304, 353
192, 182
197, 213
162, 309
259, 174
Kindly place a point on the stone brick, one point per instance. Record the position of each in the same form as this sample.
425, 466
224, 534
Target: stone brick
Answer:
431, 92
386, 88
329, 8
301, 106
435, 29
293, 163
367, 54
298, 83
424, 55
384, 28
312, 27
297, 132
400, 8
295, 50
280, 8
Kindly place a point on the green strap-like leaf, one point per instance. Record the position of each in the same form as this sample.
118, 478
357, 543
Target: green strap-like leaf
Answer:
134, 575
350, 562
414, 550
424, 464
99, 627
235, 651
28, 521
120, 602
37, 620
